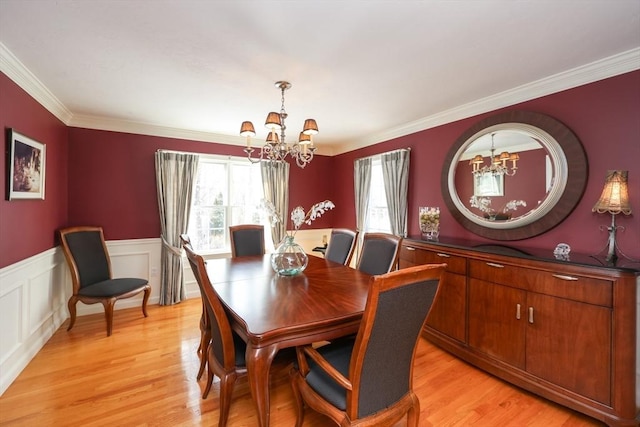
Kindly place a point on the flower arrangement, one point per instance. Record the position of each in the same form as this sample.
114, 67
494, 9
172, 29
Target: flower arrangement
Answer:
298, 215
430, 221
484, 205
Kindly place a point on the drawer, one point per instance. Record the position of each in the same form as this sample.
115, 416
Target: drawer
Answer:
569, 286
503, 274
572, 286
416, 256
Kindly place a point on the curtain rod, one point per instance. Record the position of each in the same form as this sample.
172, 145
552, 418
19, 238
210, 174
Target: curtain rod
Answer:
386, 152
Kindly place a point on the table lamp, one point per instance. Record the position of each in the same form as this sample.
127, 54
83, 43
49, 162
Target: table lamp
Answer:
614, 199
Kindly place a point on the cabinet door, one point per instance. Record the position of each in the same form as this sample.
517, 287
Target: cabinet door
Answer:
448, 313
569, 344
494, 326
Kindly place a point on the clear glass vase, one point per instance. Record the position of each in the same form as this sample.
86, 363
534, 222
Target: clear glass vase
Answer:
289, 258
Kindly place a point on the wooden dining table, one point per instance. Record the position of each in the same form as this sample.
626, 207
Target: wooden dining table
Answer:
271, 312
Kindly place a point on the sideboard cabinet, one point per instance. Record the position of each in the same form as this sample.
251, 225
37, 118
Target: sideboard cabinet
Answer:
565, 330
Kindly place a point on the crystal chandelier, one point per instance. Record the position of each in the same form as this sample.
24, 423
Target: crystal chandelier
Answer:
276, 149
498, 164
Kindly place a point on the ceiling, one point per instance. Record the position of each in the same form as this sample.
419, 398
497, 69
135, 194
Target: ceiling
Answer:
367, 71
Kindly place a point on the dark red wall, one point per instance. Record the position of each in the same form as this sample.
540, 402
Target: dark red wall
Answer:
27, 227
107, 178
112, 180
604, 115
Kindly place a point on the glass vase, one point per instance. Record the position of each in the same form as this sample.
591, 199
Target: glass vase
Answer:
289, 258
430, 223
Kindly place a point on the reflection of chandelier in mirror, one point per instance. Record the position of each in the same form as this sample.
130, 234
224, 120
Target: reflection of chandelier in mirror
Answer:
276, 149
498, 164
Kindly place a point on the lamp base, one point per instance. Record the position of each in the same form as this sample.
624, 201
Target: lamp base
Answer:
614, 253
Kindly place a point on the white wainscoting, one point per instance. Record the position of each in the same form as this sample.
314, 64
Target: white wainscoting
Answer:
34, 294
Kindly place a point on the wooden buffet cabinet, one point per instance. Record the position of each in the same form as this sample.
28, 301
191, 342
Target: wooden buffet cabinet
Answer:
565, 330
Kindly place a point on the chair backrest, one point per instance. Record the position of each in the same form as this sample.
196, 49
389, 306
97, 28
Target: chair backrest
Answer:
381, 367
185, 239
247, 239
341, 245
221, 333
86, 253
379, 254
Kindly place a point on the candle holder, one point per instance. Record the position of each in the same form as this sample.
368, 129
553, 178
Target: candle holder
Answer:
430, 223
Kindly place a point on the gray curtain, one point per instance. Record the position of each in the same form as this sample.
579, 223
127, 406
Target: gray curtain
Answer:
395, 174
362, 185
275, 183
175, 177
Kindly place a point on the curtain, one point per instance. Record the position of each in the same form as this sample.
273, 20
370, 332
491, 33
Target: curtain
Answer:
362, 184
395, 174
175, 177
275, 183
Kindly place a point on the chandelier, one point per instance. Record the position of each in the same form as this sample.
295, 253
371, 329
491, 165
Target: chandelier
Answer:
498, 164
276, 148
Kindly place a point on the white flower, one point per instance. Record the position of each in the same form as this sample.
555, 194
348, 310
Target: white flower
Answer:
298, 216
513, 205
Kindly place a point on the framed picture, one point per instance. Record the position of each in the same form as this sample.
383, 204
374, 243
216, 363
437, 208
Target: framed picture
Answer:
488, 184
26, 167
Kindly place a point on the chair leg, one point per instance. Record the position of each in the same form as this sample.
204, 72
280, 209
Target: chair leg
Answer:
205, 339
226, 390
413, 415
108, 313
72, 311
147, 293
295, 375
210, 374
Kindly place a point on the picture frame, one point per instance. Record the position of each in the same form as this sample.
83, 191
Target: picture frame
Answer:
488, 184
25, 167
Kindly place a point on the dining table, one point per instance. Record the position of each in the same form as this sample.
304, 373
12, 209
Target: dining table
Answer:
271, 312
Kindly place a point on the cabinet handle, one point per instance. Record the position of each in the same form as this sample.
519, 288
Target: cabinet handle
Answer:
409, 248
531, 315
563, 277
493, 264
518, 311
443, 255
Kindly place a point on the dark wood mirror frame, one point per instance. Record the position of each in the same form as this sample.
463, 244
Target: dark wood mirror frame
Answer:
576, 181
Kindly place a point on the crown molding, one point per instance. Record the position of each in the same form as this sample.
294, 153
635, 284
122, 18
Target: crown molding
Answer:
16, 71
608, 67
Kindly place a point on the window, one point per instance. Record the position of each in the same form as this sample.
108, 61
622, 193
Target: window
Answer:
227, 192
378, 214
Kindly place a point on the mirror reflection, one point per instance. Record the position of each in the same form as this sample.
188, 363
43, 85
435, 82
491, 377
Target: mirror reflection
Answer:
507, 175
503, 174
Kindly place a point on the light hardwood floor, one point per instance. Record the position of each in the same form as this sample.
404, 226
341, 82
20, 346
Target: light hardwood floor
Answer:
145, 375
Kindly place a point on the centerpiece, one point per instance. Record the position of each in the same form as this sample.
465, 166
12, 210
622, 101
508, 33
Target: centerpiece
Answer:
430, 222
484, 205
289, 258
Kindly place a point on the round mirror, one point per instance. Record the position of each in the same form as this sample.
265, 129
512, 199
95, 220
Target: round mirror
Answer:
514, 175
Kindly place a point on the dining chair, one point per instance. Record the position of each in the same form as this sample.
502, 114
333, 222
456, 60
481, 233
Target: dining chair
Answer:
246, 239
368, 379
205, 331
379, 253
341, 245
88, 259
226, 351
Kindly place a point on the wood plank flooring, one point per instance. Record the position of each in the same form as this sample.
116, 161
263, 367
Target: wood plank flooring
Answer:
145, 375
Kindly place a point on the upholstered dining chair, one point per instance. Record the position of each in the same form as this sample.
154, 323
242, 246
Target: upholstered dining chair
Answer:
205, 331
379, 253
341, 245
225, 355
367, 380
88, 260
246, 239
